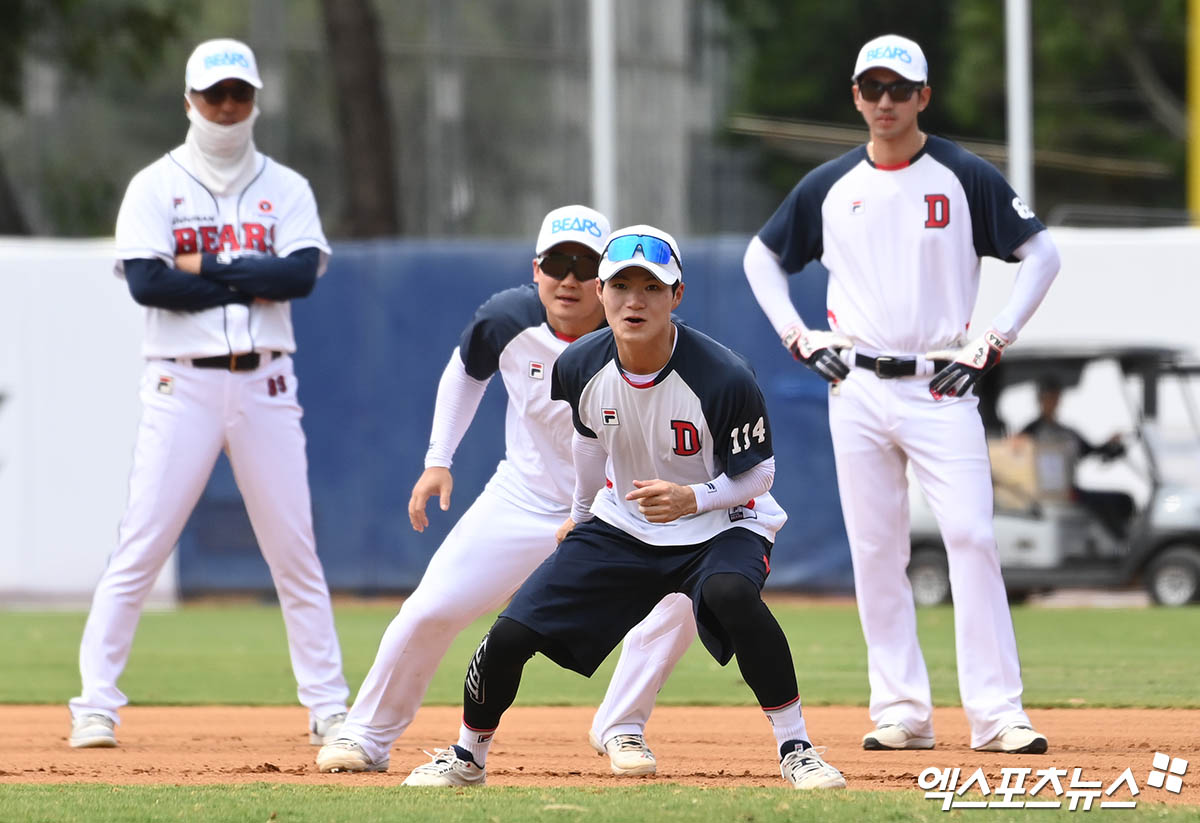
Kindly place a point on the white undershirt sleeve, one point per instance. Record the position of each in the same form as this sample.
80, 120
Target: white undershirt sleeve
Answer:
458, 397
769, 283
725, 492
1039, 265
590, 459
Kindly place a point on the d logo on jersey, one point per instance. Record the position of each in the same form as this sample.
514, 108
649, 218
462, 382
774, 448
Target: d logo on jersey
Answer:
687, 439
938, 214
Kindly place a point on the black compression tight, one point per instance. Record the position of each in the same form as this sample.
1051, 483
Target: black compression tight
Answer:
495, 672
762, 649
762, 652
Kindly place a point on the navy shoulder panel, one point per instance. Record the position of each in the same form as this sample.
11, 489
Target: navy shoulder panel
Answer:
1000, 222
575, 368
794, 232
733, 404
505, 315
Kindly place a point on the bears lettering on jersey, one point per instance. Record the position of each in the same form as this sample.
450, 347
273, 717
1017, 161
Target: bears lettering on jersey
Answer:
211, 239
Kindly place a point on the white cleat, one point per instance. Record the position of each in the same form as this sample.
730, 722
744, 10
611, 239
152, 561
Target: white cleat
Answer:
628, 754
322, 730
346, 755
894, 736
1016, 739
805, 769
448, 768
93, 731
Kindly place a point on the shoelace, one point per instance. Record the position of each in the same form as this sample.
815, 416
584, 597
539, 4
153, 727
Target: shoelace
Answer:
442, 759
631, 743
807, 761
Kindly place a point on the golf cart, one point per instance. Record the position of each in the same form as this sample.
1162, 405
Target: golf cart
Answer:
1046, 538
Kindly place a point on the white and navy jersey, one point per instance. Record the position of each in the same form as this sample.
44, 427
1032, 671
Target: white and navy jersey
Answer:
902, 245
703, 415
167, 211
509, 333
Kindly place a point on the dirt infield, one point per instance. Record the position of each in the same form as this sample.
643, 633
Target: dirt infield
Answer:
547, 746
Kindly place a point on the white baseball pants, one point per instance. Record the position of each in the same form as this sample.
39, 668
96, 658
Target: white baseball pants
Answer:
877, 427
189, 415
648, 656
484, 559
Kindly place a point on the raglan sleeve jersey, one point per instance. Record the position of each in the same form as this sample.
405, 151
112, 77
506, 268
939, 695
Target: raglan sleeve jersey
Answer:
166, 211
703, 415
509, 334
902, 244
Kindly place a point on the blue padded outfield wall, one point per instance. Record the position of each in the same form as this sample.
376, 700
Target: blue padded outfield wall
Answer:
373, 339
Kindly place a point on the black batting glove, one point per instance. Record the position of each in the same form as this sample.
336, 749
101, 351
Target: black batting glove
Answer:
967, 365
819, 350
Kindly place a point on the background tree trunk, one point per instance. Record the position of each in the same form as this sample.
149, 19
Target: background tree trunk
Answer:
12, 219
364, 119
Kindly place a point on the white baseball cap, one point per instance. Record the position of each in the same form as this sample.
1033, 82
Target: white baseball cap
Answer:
635, 246
891, 51
573, 224
215, 60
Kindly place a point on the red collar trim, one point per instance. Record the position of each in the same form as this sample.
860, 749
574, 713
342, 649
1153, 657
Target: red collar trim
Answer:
562, 336
625, 377
895, 167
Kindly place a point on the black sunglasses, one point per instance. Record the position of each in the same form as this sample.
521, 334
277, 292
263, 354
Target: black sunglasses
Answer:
241, 92
900, 91
558, 265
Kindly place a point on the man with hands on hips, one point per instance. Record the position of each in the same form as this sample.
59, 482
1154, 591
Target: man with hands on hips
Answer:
901, 224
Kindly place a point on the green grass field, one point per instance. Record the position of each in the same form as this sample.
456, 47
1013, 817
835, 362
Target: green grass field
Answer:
236, 654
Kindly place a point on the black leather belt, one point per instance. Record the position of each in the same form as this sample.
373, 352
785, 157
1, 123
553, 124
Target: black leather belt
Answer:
890, 367
230, 362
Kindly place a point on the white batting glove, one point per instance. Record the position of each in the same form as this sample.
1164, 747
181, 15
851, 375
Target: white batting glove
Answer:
967, 365
819, 350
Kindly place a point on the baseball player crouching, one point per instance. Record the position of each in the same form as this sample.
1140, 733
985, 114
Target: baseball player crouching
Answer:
673, 463
215, 239
509, 529
901, 224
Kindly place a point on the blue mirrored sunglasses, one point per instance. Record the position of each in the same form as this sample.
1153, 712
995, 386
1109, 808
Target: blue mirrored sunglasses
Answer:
653, 249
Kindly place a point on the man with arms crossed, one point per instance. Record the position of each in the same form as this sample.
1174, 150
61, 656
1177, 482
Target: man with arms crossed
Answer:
215, 239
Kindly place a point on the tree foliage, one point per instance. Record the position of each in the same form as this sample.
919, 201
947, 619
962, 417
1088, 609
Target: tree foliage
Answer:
1109, 78
81, 37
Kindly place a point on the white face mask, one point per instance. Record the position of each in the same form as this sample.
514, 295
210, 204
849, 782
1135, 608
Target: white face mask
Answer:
221, 142
221, 157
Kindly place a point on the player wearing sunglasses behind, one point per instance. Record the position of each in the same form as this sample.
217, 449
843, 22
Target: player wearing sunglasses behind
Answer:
510, 528
215, 240
901, 224
673, 463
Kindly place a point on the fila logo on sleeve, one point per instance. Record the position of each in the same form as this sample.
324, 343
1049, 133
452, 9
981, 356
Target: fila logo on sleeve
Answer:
609, 417
536, 370
938, 211
687, 439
